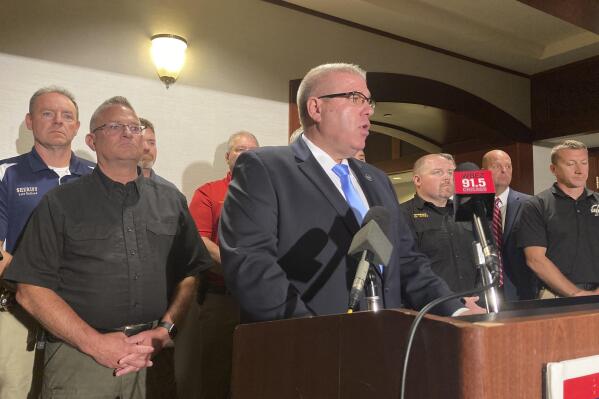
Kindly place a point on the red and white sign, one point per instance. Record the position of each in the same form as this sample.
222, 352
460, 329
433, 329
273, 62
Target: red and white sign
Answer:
473, 182
573, 379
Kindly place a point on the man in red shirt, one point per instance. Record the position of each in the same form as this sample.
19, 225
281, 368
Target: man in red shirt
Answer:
219, 312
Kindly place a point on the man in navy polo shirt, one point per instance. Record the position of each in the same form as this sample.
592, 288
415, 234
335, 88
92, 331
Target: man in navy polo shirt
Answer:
54, 119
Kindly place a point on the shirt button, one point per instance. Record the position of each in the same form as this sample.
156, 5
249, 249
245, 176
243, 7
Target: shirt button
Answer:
136, 276
129, 229
132, 252
136, 304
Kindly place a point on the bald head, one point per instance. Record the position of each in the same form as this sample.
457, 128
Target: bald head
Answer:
433, 178
500, 165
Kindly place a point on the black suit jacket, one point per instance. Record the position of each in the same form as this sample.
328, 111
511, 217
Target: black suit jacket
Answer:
285, 231
521, 283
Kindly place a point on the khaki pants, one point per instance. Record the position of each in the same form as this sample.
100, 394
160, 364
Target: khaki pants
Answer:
70, 374
17, 339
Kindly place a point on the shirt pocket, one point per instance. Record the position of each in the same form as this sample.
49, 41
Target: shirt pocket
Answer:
161, 235
92, 242
429, 233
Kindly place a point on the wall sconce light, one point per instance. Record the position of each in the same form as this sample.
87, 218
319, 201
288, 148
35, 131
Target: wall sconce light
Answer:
168, 54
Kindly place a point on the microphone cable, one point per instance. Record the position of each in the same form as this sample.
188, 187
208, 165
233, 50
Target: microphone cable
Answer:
419, 317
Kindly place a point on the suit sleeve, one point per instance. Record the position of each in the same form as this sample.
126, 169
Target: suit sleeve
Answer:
248, 234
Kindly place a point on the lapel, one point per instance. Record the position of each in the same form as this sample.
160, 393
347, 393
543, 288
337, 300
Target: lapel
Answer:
513, 204
310, 167
367, 182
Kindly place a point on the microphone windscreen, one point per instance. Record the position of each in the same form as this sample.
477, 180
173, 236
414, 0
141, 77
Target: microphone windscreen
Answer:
380, 215
464, 166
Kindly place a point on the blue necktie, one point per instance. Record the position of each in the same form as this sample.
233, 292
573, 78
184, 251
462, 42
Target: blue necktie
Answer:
351, 195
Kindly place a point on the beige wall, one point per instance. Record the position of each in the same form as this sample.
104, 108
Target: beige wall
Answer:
242, 55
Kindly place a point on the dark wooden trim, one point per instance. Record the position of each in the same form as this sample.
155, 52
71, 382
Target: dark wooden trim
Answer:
582, 13
394, 37
564, 100
591, 61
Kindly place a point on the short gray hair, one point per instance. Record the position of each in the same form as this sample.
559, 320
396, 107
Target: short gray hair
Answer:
147, 124
566, 145
112, 101
241, 133
295, 135
311, 81
53, 89
422, 160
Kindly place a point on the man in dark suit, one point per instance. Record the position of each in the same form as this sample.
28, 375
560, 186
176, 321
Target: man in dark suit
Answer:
286, 226
519, 281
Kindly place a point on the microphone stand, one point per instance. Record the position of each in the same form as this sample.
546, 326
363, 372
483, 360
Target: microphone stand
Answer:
373, 298
489, 267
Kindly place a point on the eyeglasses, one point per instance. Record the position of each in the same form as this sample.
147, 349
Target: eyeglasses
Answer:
115, 128
355, 96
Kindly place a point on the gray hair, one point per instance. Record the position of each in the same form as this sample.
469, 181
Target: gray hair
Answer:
422, 160
53, 89
116, 100
147, 124
295, 135
566, 145
241, 133
313, 79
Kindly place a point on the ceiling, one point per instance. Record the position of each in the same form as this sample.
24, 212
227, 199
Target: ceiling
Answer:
440, 126
506, 33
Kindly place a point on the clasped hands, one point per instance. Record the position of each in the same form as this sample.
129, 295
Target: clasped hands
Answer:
129, 354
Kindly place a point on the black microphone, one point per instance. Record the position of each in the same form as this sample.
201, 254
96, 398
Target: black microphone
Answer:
371, 245
474, 201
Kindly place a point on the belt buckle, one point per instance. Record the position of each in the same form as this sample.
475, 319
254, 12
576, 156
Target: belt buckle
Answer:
137, 328
134, 329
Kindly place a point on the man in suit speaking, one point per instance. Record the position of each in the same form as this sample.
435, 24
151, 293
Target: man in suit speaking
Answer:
286, 225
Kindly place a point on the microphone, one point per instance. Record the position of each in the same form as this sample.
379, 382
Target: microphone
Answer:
474, 201
370, 245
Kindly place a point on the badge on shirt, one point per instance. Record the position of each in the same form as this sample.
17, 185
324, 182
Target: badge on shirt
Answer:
420, 215
21, 191
595, 209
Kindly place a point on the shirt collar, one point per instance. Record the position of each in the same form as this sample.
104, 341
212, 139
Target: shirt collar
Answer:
558, 191
35, 161
76, 167
503, 196
324, 159
421, 203
116, 190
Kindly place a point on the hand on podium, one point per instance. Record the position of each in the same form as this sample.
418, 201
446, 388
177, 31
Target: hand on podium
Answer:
473, 308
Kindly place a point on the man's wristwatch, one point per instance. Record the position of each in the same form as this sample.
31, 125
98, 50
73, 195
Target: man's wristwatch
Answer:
170, 328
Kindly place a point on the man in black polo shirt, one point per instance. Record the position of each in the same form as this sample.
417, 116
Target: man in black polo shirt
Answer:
108, 265
447, 243
559, 227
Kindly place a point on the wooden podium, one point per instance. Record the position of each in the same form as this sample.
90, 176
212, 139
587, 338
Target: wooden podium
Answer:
361, 355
